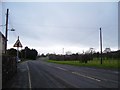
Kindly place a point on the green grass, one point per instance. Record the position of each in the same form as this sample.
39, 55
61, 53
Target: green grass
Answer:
108, 64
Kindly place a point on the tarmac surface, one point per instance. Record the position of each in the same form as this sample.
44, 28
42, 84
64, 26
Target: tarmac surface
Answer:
41, 74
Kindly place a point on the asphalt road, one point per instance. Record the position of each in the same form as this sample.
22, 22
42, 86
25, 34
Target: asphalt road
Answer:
41, 74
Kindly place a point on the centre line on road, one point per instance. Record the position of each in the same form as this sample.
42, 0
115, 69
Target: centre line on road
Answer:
61, 68
86, 76
80, 74
29, 77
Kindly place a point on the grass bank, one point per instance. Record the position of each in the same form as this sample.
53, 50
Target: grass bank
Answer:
107, 64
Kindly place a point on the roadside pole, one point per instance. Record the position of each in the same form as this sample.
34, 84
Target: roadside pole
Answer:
17, 44
63, 55
101, 44
6, 32
17, 54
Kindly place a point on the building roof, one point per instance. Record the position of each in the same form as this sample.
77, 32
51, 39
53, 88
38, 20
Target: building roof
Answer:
2, 35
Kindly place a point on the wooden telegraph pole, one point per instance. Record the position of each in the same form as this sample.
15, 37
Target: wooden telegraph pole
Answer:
6, 30
101, 44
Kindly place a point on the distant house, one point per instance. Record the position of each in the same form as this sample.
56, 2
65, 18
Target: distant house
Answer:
2, 43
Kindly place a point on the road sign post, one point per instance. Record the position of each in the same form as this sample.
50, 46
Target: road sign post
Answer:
17, 44
17, 54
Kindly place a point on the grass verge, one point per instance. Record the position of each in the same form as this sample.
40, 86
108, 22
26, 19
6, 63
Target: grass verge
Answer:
107, 64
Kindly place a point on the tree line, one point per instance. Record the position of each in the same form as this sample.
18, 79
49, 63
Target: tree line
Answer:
25, 53
86, 56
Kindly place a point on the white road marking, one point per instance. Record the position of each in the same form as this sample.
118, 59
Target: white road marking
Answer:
29, 77
62, 68
86, 76
80, 74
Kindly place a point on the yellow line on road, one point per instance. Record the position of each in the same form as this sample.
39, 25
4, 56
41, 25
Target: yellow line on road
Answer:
29, 77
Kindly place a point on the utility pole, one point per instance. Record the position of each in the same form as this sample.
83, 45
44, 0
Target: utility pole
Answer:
6, 30
101, 44
63, 51
63, 55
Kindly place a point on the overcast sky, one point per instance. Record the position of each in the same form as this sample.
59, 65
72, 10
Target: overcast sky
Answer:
49, 27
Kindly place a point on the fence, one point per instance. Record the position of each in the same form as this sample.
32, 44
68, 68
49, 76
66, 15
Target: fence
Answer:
9, 68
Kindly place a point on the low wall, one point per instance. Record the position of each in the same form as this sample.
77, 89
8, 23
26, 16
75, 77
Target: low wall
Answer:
9, 68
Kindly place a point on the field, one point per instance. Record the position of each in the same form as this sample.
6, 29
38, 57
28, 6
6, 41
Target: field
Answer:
108, 64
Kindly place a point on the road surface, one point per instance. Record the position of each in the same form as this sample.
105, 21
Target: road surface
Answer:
41, 74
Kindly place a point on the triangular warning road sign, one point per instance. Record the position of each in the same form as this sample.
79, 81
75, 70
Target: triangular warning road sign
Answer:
18, 43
